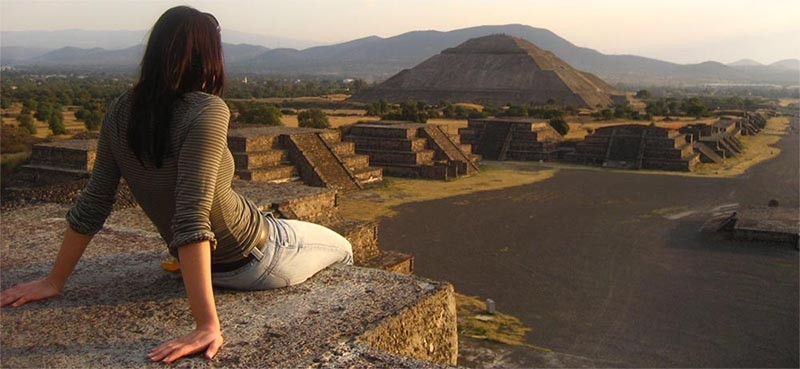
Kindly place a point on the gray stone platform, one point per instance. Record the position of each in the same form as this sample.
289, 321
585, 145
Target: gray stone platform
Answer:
120, 303
772, 224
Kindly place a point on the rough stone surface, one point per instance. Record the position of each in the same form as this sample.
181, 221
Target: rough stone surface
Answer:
120, 303
768, 224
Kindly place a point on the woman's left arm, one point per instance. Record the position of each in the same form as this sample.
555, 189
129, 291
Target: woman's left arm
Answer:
199, 160
195, 259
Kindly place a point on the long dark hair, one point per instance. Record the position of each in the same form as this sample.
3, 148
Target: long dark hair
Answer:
183, 54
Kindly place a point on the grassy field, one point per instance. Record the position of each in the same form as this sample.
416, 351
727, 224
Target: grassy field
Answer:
381, 200
42, 129
335, 121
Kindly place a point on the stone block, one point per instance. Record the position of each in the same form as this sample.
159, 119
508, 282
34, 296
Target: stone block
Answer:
259, 159
400, 157
277, 173
67, 154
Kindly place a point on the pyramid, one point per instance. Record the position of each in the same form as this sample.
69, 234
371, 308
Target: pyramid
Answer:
496, 69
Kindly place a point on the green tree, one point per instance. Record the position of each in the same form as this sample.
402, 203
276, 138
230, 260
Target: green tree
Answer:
560, 125
642, 94
694, 107
259, 113
56, 122
82, 114
313, 118
43, 111
93, 120
516, 111
410, 110
26, 123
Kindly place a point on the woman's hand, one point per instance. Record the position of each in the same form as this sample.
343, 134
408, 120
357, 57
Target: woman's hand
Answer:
27, 292
208, 339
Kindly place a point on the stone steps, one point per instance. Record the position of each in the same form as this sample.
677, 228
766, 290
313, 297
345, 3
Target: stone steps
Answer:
384, 157
369, 175
275, 173
260, 159
365, 143
383, 130
319, 165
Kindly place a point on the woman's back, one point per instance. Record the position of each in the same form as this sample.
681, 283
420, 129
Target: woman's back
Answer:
189, 198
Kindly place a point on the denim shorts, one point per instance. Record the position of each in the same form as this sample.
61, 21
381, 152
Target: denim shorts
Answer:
295, 251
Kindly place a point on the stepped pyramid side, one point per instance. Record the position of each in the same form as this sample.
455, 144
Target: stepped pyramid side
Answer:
409, 149
285, 154
637, 147
512, 139
495, 69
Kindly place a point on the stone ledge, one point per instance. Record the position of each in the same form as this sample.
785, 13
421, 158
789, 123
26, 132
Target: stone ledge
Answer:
119, 304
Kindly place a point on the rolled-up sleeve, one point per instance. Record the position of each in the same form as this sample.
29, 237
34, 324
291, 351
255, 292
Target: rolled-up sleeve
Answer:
199, 160
96, 200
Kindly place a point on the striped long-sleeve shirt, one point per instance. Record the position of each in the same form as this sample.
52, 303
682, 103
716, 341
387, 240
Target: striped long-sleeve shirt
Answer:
190, 198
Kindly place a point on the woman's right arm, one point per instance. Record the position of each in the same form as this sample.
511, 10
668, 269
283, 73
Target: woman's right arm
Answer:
72, 248
85, 219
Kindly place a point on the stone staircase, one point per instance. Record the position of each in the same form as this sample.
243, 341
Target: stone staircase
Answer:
450, 148
409, 149
707, 155
317, 157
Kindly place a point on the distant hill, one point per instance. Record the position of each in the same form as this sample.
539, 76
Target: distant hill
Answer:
111, 40
376, 58
127, 59
791, 64
745, 63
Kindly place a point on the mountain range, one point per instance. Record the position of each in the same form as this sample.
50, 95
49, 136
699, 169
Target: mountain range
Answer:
375, 58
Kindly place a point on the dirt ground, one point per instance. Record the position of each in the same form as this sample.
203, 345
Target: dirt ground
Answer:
608, 268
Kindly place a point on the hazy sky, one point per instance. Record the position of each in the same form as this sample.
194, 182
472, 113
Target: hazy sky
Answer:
683, 31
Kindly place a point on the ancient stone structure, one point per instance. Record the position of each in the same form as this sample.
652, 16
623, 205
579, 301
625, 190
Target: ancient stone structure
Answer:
119, 304
61, 160
719, 140
318, 157
637, 147
413, 149
511, 139
497, 69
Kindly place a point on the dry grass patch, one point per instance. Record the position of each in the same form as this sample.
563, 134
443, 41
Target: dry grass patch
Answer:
335, 121
380, 201
475, 322
452, 124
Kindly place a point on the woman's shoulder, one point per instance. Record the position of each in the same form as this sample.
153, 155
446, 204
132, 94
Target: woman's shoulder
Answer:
201, 100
